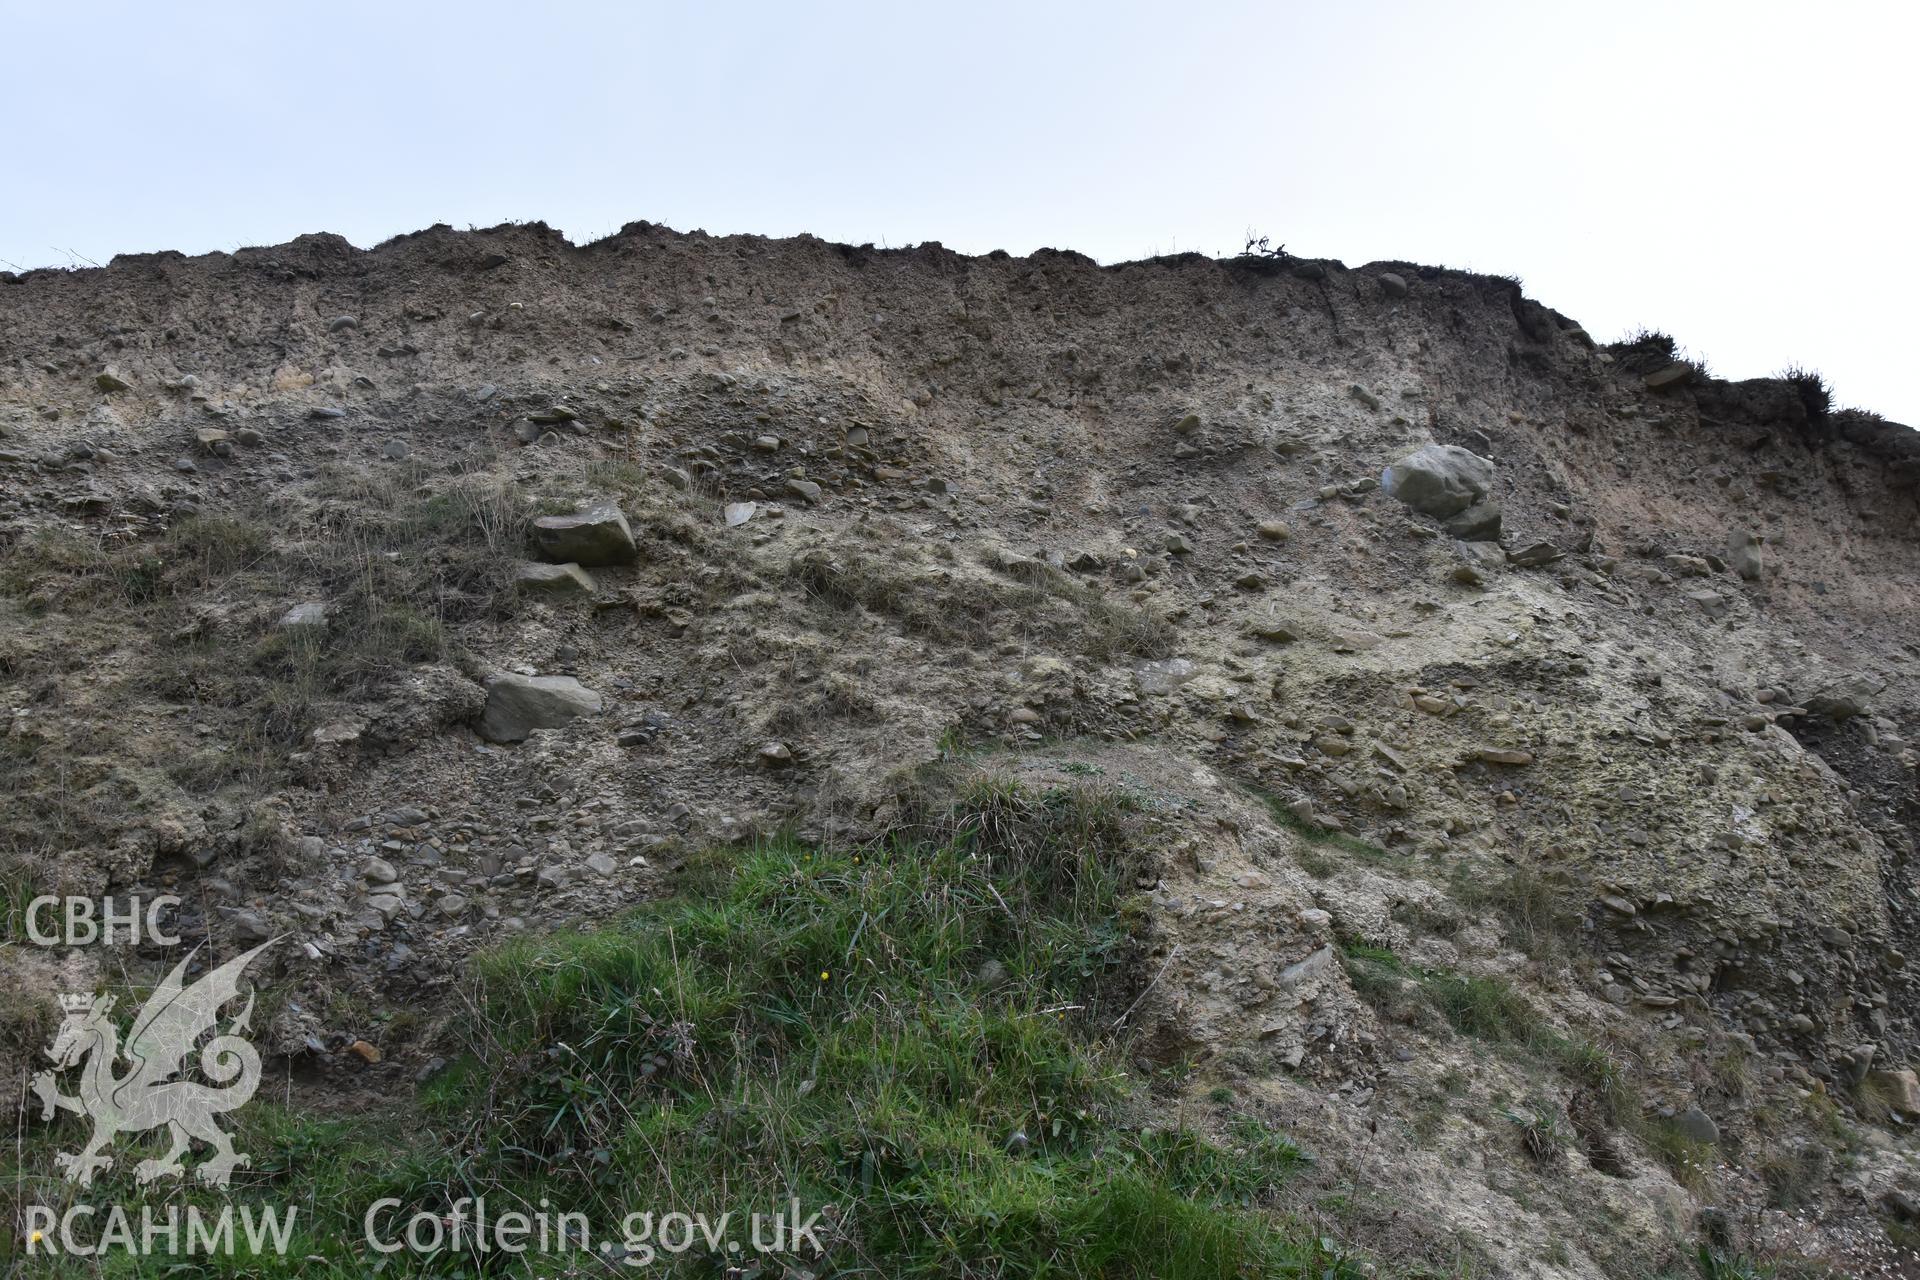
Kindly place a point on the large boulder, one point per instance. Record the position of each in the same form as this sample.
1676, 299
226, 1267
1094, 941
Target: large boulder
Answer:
517, 705
1439, 480
598, 536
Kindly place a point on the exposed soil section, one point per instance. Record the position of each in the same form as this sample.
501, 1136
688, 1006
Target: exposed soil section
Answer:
1617, 757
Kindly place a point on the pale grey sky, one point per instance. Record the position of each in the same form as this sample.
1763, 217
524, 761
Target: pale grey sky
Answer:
1741, 175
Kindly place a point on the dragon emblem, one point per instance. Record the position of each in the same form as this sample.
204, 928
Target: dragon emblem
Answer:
145, 1096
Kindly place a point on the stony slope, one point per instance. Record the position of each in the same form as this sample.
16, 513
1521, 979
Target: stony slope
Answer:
1639, 753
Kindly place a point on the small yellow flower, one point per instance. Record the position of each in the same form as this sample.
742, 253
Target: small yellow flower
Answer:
37, 1237
824, 975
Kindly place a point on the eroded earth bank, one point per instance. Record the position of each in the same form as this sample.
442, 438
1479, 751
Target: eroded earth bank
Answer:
1510, 738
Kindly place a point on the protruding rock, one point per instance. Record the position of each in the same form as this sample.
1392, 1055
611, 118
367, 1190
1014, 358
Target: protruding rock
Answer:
517, 705
1846, 697
311, 614
1900, 1089
595, 537
1696, 1125
1439, 480
1273, 630
1672, 375
1316, 964
109, 379
1743, 555
1534, 554
1504, 755
1478, 523
1164, 676
1708, 602
556, 579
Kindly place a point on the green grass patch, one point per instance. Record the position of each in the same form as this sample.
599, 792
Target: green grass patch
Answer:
1484, 1008
1323, 842
1539, 913
1491, 1011
918, 1038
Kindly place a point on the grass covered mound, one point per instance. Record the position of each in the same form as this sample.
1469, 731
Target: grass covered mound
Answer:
918, 1041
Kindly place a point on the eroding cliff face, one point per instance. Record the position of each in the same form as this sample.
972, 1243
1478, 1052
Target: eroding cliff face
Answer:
1604, 706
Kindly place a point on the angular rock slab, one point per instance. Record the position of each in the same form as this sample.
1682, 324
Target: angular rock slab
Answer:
1478, 523
312, 613
591, 538
517, 705
1439, 480
553, 579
